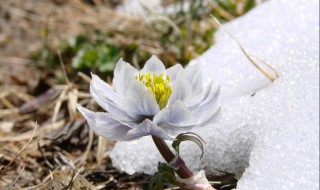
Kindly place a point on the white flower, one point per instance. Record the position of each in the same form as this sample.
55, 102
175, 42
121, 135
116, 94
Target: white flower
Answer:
154, 101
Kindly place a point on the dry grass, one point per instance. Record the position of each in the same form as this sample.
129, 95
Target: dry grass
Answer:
46, 144
47, 22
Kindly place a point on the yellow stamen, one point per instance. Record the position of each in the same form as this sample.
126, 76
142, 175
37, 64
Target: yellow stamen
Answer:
159, 85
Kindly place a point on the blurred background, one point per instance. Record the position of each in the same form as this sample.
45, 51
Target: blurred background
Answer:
48, 49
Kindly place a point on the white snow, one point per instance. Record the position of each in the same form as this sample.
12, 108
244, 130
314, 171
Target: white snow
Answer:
272, 136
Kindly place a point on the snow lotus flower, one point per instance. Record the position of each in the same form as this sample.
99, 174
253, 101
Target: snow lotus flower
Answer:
153, 101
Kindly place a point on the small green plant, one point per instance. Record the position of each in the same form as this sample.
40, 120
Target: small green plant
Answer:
236, 7
81, 53
99, 56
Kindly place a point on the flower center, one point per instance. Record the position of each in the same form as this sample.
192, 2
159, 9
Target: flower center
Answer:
159, 85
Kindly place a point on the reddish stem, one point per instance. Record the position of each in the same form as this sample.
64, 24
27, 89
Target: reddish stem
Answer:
167, 154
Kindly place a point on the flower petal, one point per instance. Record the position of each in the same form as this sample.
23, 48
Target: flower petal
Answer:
145, 128
181, 89
194, 75
104, 125
108, 93
211, 91
173, 129
207, 110
173, 71
108, 99
124, 73
174, 114
153, 65
140, 101
211, 117
201, 115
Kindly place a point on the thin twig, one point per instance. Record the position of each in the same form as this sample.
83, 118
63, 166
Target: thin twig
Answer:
84, 156
25, 146
18, 177
69, 186
78, 172
63, 67
44, 156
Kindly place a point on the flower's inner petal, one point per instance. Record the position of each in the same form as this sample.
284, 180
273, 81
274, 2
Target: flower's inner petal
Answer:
124, 73
139, 101
153, 65
159, 85
194, 76
173, 71
181, 89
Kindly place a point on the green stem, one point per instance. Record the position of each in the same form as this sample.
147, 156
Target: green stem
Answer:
167, 154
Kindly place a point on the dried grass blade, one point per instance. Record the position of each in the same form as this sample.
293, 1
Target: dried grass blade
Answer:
17, 178
271, 78
25, 146
84, 157
269, 65
58, 104
100, 150
7, 103
73, 99
84, 77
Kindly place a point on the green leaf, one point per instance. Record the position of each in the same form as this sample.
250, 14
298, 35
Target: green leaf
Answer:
188, 137
165, 174
98, 55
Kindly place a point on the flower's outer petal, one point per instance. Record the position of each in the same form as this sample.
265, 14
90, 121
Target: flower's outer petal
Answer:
146, 128
201, 115
124, 73
174, 129
207, 107
108, 99
196, 100
196, 182
211, 117
108, 94
181, 89
173, 71
212, 97
174, 114
208, 96
140, 101
153, 65
207, 110
104, 125
194, 75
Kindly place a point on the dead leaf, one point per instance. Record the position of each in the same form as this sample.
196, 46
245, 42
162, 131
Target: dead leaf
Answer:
37, 102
